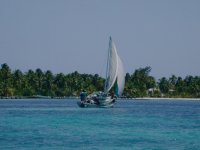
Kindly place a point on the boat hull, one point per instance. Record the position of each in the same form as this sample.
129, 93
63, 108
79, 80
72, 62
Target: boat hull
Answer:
106, 103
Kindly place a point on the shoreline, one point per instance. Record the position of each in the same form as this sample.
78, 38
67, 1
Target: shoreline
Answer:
74, 97
38, 97
161, 98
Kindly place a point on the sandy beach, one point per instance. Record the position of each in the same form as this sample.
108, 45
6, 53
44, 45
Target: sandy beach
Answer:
162, 98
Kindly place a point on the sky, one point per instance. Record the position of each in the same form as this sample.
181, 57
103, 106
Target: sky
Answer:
73, 35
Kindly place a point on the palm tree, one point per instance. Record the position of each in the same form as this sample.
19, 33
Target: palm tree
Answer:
30, 83
140, 81
17, 81
164, 85
181, 87
48, 84
60, 84
5, 82
39, 81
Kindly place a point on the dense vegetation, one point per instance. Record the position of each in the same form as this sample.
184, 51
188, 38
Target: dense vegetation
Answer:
138, 84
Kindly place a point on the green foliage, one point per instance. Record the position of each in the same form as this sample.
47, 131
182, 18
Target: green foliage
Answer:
46, 83
137, 84
5, 81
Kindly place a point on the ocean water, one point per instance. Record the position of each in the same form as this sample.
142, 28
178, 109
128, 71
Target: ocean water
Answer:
130, 125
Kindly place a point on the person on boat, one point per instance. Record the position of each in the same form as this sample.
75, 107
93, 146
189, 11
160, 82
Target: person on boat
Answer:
83, 96
112, 95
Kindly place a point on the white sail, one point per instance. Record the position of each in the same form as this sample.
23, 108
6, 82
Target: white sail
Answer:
111, 71
120, 77
114, 70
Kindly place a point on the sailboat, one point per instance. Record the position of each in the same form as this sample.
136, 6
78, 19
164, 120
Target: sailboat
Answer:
115, 77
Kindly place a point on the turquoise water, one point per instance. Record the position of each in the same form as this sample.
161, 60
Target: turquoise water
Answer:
130, 125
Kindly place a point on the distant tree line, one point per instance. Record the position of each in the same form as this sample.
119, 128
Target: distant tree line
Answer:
138, 84
37, 82
141, 84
